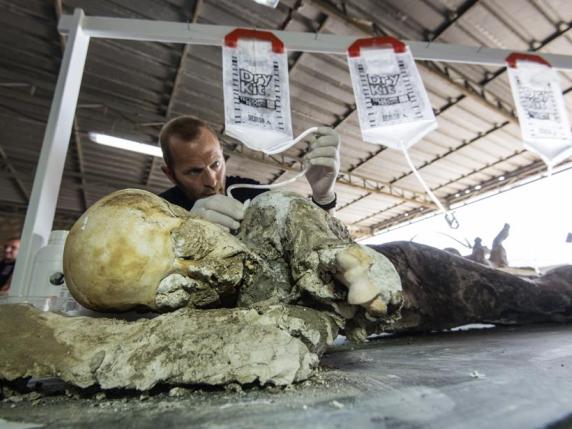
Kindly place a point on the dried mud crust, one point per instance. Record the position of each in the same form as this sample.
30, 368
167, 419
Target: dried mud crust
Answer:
302, 248
73, 407
267, 345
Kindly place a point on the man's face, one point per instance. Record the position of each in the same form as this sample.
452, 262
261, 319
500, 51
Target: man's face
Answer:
198, 166
11, 250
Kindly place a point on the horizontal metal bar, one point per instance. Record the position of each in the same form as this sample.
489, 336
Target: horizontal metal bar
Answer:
213, 35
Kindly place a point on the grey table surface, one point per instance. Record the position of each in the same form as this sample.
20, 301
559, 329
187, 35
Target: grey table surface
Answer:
504, 377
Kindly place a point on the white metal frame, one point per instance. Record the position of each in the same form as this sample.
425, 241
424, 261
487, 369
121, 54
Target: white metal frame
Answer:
213, 35
80, 28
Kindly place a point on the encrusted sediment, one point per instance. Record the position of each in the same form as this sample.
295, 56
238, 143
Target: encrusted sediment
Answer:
269, 345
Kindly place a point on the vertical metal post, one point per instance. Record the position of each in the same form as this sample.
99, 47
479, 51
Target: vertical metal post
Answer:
44, 198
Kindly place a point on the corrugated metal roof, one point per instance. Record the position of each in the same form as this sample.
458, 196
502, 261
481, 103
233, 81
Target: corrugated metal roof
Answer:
130, 89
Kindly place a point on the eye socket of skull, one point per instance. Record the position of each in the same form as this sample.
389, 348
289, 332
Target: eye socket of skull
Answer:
120, 249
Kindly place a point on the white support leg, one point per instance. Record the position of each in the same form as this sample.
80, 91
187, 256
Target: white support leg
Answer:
44, 198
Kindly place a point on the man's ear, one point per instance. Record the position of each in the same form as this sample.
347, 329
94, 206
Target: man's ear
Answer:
169, 173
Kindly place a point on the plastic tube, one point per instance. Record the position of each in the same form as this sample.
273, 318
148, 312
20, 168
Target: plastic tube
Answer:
449, 216
279, 184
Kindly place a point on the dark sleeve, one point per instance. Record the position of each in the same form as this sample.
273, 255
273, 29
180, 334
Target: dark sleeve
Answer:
243, 194
328, 206
175, 196
6, 271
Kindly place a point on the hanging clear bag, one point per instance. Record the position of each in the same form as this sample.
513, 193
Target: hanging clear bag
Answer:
393, 107
256, 91
540, 107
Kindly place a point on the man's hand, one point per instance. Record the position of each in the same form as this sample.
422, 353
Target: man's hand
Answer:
324, 160
221, 210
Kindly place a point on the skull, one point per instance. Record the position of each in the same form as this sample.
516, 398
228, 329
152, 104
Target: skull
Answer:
132, 249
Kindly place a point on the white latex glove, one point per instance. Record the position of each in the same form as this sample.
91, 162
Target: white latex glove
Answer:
324, 160
224, 211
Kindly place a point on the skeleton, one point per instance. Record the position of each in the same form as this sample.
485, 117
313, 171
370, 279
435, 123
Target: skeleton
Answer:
293, 274
134, 250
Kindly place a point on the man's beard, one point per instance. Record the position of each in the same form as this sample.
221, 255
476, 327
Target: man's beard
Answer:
220, 189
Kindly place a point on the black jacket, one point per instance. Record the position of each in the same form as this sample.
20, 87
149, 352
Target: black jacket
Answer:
175, 196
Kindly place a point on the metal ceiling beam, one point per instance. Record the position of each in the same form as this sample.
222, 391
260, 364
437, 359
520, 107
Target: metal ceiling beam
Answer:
376, 187
31, 88
14, 175
10, 111
62, 217
377, 213
477, 171
349, 203
396, 220
113, 182
513, 178
468, 88
94, 180
451, 18
368, 158
356, 231
179, 74
535, 168
464, 144
535, 46
448, 200
290, 17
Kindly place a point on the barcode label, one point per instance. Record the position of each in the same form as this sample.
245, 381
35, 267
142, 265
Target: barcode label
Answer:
392, 116
258, 119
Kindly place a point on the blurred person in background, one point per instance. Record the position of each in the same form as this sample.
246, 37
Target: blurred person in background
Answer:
7, 263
